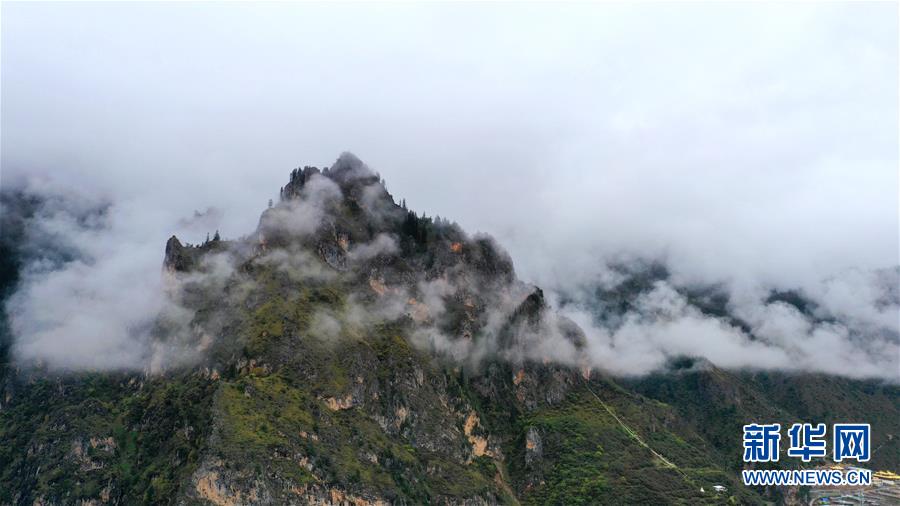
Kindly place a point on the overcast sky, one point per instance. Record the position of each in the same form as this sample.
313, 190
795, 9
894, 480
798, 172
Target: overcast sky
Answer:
750, 142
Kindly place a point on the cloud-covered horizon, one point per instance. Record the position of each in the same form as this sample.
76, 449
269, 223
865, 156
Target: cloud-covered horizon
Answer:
753, 146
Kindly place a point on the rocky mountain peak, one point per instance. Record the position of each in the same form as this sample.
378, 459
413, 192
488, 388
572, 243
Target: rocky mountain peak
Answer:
349, 167
348, 171
176, 258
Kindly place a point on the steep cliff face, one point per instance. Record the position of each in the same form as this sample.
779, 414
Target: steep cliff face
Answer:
350, 351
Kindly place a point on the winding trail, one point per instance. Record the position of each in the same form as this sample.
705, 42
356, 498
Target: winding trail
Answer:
668, 463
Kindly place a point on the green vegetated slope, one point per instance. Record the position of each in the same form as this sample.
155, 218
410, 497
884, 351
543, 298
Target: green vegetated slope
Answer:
101, 437
337, 364
718, 400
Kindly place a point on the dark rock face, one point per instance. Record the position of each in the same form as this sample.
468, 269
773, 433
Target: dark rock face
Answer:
177, 258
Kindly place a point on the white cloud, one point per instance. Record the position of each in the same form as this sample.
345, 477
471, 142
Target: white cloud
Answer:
745, 143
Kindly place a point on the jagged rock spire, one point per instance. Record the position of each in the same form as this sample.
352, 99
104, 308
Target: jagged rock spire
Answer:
177, 258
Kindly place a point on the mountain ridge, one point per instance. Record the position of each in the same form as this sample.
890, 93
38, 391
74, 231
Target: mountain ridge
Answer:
350, 350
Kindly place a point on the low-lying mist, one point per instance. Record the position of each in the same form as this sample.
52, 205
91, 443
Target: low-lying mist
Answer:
591, 140
92, 294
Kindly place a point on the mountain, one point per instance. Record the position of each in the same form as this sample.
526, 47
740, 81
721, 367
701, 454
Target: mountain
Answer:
352, 351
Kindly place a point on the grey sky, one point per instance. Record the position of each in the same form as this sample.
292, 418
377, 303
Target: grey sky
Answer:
755, 143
